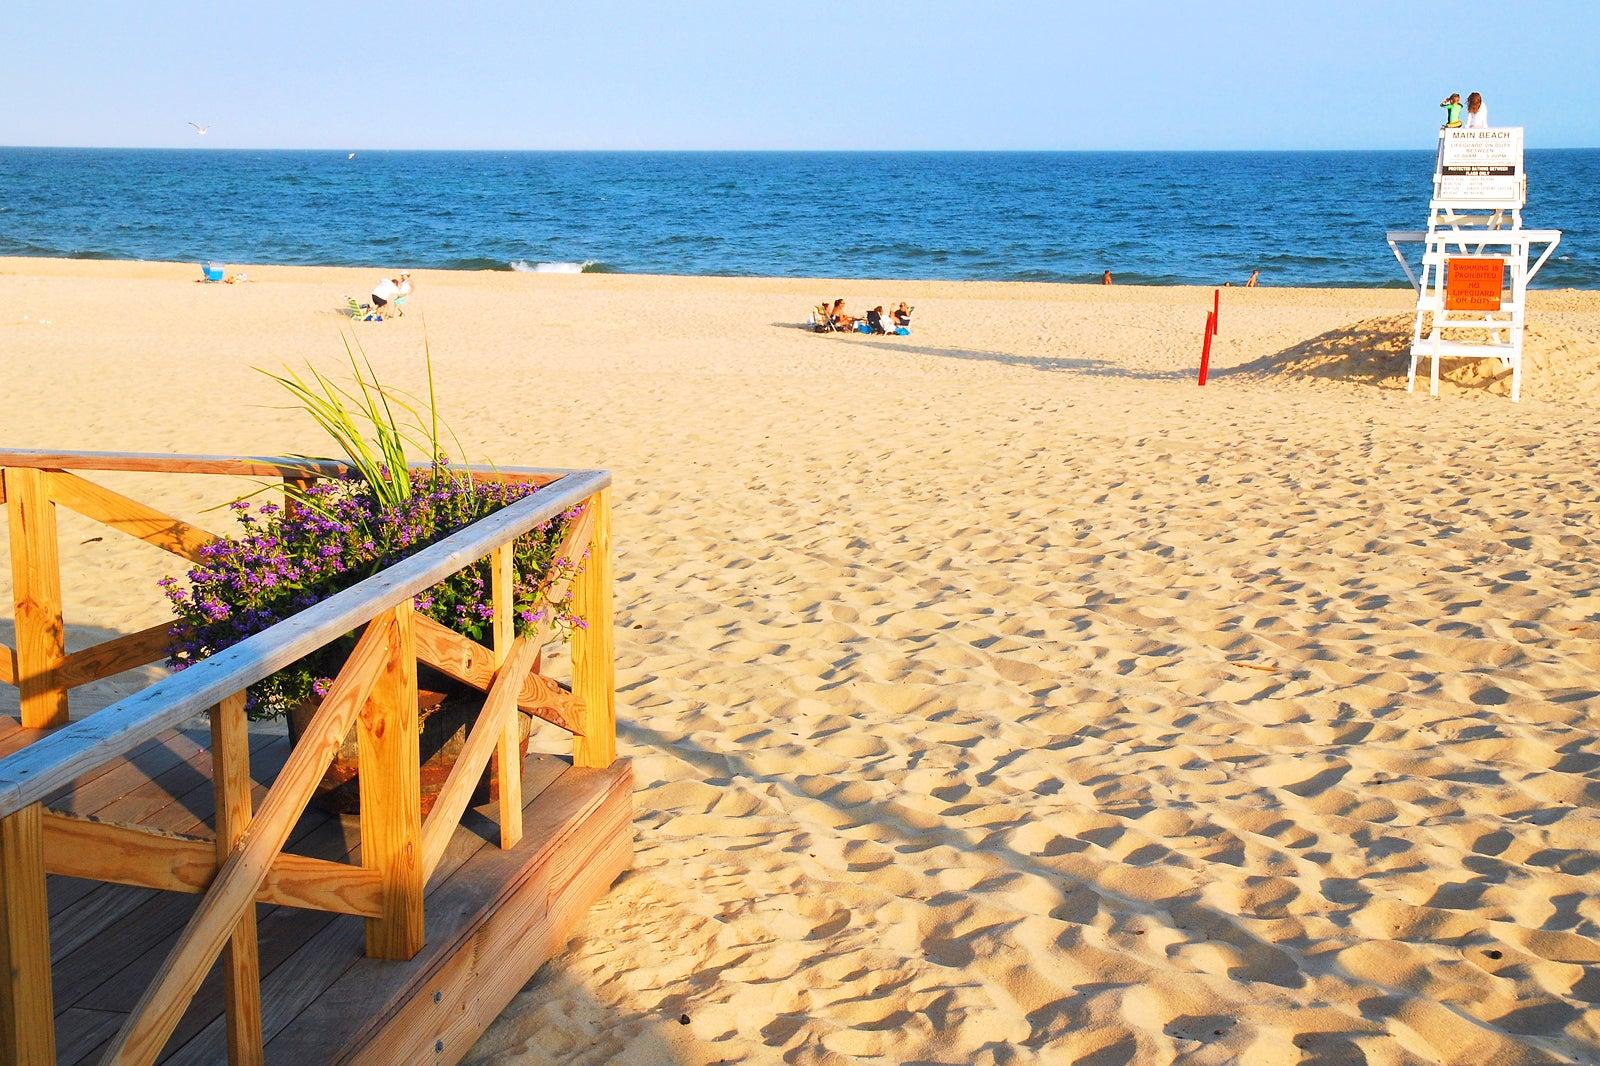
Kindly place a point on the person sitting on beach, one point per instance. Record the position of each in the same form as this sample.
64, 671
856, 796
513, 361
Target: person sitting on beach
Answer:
839, 318
875, 320
1477, 114
1452, 111
902, 319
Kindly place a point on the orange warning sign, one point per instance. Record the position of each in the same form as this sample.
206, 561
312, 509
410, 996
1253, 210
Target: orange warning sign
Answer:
1473, 284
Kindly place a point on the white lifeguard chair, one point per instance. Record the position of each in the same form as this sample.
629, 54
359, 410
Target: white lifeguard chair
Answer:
1474, 240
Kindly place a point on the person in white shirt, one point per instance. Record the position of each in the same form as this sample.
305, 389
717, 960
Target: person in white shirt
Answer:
384, 291
1477, 114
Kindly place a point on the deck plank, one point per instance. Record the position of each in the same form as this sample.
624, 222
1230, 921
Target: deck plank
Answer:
510, 918
368, 996
159, 919
80, 1032
288, 994
104, 797
84, 932
13, 737
110, 938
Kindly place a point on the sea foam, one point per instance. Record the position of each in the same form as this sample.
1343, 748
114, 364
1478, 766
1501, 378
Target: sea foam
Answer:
588, 266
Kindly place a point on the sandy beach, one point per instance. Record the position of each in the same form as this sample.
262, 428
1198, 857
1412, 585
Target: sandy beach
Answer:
995, 695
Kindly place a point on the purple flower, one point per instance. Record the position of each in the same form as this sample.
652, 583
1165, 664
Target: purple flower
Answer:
285, 560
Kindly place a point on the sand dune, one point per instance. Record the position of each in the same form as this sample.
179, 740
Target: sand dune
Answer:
996, 695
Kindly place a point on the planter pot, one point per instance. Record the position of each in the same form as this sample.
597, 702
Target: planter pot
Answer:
446, 712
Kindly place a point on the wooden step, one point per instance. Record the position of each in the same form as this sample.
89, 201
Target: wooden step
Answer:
492, 918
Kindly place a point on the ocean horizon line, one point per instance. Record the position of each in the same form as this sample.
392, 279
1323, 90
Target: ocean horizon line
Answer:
216, 149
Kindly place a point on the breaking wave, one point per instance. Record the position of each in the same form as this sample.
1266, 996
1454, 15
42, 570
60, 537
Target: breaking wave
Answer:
588, 266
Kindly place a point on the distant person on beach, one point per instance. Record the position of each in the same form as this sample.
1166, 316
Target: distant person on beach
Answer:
385, 292
1452, 111
1255, 279
875, 320
1477, 114
839, 318
902, 317
1105, 279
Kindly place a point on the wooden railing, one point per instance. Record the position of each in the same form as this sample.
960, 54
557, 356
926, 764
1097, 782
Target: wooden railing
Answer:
375, 692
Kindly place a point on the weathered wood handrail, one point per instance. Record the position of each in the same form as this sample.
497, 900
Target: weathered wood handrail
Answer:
29, 775
282, 466
374, 694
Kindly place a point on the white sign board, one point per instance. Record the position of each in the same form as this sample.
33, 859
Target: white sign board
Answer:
1481, 166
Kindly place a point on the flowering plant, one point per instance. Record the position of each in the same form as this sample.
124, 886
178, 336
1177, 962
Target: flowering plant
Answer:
333, 535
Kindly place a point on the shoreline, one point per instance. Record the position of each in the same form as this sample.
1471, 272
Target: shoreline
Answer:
508, 269
57, 265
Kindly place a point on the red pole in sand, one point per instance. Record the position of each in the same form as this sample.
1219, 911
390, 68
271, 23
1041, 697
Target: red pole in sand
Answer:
1216, 309
1205, 352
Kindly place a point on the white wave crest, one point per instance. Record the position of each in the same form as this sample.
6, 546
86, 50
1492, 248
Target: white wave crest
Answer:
525, 267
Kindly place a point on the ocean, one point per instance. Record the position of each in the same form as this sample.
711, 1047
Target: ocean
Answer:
1301, 218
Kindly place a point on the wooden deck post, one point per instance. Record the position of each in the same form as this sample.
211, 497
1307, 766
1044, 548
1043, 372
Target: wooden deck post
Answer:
36, 585
508, 749
230, 777
391, 796
294, 486
593, 669
27, 1019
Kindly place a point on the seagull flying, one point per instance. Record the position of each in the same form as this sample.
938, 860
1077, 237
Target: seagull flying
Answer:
201, 130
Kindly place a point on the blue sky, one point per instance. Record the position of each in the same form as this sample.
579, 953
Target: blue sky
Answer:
936, 74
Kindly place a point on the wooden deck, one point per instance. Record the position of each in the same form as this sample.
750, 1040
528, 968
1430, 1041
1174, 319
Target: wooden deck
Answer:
492, 916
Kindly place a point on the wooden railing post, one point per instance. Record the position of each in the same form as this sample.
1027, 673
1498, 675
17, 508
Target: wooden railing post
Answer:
508, 749
230, 777
145, 1031
391, 796
27, 1020
36, 584
295, 486
593, 669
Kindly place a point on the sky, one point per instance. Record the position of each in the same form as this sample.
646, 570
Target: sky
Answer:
647, 74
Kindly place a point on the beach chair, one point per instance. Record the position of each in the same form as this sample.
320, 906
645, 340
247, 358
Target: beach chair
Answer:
362, 312
822, 318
